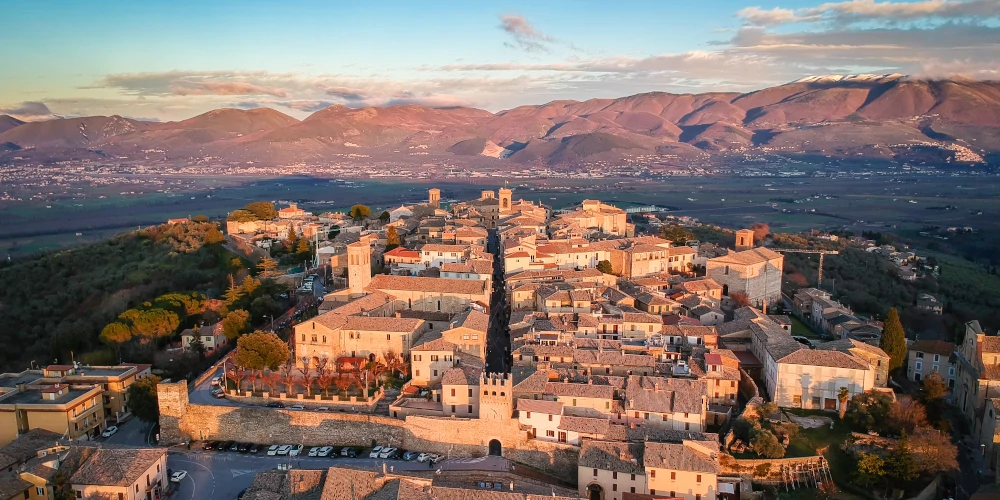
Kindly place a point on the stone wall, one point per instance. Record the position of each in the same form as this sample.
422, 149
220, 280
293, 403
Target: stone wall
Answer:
181, 421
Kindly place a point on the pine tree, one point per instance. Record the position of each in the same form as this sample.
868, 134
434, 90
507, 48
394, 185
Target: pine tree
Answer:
291, 239
303, 246
894, 340
267, 267
391, 238
233, 293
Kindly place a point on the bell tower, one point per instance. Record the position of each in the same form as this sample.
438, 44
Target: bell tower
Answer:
434, 197
505, 202
744, 239
359, 266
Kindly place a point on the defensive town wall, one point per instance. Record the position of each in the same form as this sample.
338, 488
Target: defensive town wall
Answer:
182, 421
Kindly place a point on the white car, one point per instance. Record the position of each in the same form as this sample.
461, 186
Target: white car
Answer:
423, 457
323, 408
314, 451
375, 451
273, 450
284, 449
217, 381
178, 476
386, 452
297, 407
110, 431
325, 451
294, 452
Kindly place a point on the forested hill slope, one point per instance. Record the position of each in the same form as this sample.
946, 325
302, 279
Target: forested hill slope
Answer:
58, 302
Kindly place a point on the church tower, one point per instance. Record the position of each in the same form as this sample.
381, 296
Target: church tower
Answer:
496, 400
434, 197
744, 240
359, 266
505, 200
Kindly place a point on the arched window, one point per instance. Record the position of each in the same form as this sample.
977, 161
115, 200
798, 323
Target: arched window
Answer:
486, 393
501, 394
494, 393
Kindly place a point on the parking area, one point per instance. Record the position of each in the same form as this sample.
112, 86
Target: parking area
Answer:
224, 474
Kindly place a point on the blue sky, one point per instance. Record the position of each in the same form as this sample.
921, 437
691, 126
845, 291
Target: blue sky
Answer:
172, 60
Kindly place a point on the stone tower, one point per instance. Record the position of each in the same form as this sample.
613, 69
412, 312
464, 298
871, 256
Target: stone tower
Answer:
496, 400
359, 266
434, 197
744, 239
487, 195
173, 402
505, 202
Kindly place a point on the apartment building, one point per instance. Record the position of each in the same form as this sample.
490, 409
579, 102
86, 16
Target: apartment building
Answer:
76, 411
687, 470
931, 356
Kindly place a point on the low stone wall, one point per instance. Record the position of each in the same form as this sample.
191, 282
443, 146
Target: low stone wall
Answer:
354, 404
762, 470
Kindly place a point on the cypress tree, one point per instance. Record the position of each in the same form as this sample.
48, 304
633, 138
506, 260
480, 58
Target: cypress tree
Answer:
894, 340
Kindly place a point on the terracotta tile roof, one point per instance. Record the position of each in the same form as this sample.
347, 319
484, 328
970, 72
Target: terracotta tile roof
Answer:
403, 252
117, 466
700, 285
580, 390
540, 406
533, 383
664, 395
679, 457
748, 257
463, 375
438, 247
689, 331
612, 456
810, 357
585, 425
13, 487
378, 324
438, 344
471, 319
641, 317
386, 282
26, 447
990, 344
847, 345
933, 347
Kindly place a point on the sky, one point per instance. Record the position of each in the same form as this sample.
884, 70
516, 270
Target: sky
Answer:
171, 60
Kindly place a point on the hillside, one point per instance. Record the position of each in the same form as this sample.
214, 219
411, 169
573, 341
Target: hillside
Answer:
867, 116
8, 122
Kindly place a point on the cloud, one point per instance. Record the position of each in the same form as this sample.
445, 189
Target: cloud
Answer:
29, 111
853, 11
186, 88
525, 36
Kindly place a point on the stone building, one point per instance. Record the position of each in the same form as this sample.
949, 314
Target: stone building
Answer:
433, 294
359, 266
756, 273
611, 469
931, 356
125, 474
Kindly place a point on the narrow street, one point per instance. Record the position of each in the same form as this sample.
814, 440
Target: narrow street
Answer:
497, 342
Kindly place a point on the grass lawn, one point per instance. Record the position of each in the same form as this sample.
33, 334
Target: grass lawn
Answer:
800, 328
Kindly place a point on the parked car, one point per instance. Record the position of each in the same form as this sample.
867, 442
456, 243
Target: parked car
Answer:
295, 451
314, 451
326, 452
178, 476
284, 449
375, 452
244, 447
386, 452
110, 431
323, 408
225, 446
275, 405
219, 393
217, 381
234, 447
255, 449
273, 450
423, 457
410, 455
349, 452
208, 445
297, 407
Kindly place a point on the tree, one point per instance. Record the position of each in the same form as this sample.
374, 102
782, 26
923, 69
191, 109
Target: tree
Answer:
740, 299
115, 334
900, 464
767, 445
324, 375
905, 415
261, 350
676, 234
307, 375
604, 266
933, 394
359, 212
343, 382
869, 410
894, 340
291, 238
233, 293
262, 210
197, 345
271, 379
933, 451
760, 231
391, 238
235, 323
384, 217
843, 394
214, 237
303, 247
142, 400
288, 376
241, 215
155, 323
871, 470
200, 218
267, 267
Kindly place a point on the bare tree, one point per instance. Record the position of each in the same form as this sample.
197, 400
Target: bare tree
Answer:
307, 375
271, 379
237, 373
288, 377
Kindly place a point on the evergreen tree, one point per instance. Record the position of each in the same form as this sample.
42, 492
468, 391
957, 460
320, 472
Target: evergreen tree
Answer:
214, 237
894, 340
604, 266
302, 247
142, 399
359, 212
267, 267
234, 293
291, 239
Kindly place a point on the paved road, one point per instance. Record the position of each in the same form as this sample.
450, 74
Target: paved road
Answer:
497, 341
222, 475
132, 432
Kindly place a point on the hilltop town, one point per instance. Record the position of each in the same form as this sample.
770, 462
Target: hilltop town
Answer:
497, 348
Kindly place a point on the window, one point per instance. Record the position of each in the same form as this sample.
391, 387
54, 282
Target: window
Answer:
920, 355
465, 337
416, 373
614, 487
416, 357
79, 494
314, 338
937, 358
796, 399
453, 408
652, 473
550, 433
435, 373
470, 409
434, 357
726, 271
595, 472
121, 496
550, 418
632, 489
920, 365
633, 478
697, 478
453, 393
388, 336
475, 337
470, 393
303, 337
614, 475
673, 476
40, 491
324, 339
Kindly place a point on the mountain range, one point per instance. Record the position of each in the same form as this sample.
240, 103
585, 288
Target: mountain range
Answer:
869, 116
